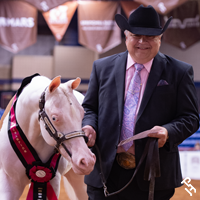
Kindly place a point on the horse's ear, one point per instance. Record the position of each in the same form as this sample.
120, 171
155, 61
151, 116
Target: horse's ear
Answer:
74, 83
54, 83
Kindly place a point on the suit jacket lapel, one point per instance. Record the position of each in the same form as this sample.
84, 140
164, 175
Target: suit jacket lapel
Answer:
154, 76
120, 69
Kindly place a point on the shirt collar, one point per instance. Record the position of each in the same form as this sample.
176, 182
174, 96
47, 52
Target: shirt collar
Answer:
131, 62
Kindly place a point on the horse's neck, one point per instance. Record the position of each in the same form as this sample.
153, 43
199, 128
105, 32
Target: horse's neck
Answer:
27, 110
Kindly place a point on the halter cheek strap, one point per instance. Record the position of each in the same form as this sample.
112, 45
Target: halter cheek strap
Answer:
57, 136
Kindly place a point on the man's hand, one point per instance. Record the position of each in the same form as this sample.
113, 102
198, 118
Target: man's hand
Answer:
161, 133
91, 134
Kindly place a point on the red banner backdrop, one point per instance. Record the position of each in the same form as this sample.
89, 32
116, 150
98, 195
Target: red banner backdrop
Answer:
18, 25
183, 31
98, 30
58, 19
162, 6
129, 6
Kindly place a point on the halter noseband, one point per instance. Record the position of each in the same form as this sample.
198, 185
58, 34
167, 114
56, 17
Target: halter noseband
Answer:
57, 136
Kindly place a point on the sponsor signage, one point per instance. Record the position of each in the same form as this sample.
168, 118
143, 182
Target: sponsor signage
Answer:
45, 5
162, 6
97, 28
58, 18
18, 25
183, 31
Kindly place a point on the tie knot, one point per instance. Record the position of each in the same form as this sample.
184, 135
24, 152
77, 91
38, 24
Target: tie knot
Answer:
138, 66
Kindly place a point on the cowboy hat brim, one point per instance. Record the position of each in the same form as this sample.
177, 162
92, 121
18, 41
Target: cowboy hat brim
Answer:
124, 25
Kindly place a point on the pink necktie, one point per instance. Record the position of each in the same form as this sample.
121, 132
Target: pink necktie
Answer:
130, 106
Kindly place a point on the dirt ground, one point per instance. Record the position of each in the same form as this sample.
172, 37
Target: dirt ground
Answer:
180, 193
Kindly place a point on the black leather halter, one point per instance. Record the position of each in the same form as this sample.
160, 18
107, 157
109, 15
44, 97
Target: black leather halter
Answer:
57, 136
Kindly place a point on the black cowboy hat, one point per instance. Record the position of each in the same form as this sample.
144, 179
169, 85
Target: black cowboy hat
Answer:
143, 21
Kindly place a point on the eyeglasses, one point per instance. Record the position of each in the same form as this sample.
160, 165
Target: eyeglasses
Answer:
146, 37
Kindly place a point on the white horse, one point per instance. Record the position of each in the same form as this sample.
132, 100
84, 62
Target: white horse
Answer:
59, 117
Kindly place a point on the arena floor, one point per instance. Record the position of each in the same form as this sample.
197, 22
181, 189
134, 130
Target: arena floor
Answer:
180, 193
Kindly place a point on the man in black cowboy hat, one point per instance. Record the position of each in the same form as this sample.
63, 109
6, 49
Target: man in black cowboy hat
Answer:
164, 102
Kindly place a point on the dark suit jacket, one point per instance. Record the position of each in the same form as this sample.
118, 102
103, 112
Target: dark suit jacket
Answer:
173, 106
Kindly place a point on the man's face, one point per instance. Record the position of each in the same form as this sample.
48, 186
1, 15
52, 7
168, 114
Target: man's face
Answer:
142, 48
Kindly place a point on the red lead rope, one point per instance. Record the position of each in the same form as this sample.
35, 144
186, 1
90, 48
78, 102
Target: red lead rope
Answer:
39, 173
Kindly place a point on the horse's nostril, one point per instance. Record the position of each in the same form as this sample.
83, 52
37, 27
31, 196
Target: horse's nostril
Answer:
83, 162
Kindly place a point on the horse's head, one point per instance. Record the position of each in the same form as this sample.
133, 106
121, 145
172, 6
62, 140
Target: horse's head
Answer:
62, 115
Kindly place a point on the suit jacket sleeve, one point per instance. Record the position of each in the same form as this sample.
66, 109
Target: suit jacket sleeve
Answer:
90, 103
186, 121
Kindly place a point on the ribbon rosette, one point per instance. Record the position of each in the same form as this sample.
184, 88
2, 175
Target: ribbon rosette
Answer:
40, 174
